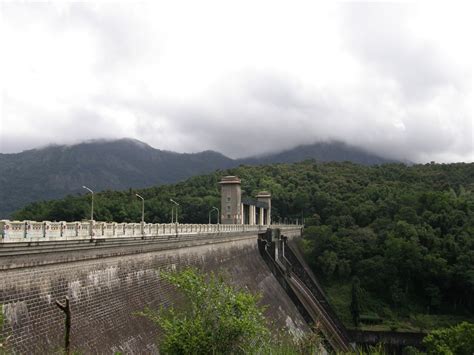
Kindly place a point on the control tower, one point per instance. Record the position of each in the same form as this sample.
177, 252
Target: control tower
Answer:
231, 203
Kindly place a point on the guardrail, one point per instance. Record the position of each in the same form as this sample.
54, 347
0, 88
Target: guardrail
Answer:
19, 231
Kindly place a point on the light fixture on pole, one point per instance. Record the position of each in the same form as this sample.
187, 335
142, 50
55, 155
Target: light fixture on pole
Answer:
143, 207
218, 214
92, 201
176, 217
212, 209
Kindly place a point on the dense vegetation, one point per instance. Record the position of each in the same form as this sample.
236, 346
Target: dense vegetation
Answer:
55, 171
458, 339
407, 233
409, 239
215, 318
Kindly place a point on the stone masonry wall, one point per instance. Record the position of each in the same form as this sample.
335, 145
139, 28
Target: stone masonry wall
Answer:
106, 291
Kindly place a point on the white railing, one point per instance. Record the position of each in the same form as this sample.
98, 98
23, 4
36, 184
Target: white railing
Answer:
20, 231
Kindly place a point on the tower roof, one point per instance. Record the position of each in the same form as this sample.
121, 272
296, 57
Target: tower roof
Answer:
230, 180
264, 194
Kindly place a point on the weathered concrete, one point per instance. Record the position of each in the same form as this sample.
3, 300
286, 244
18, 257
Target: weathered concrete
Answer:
290, 274
393, 342
107, 283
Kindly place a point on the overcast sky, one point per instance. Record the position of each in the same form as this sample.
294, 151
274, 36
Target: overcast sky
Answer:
240, 77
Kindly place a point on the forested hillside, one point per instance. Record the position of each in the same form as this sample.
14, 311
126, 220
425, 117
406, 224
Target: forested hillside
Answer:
406, 232
56, 171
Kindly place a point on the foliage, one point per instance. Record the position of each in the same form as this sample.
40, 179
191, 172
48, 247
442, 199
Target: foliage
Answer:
405, 231
279, 344
457, 340
421, 321
218, 319
55, 171
355, 301
366, 350
2, 340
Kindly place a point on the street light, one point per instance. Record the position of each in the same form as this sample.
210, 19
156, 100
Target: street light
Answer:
218, 214
92, 201
177, 204
143, 207
214, 208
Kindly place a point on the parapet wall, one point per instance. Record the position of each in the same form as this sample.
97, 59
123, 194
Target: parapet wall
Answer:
108, 281
21, 231
32, 231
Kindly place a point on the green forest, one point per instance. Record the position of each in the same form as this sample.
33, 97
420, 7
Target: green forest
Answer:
405, 232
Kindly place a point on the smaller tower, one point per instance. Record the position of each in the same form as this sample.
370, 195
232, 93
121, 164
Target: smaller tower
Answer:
231, 200
265, 213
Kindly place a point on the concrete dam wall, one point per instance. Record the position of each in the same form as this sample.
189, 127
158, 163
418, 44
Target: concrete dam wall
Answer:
108, 280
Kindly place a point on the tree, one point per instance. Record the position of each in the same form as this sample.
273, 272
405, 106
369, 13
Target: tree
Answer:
400, 229
457, 340
355, 301
421, 321
218, 318
328, 263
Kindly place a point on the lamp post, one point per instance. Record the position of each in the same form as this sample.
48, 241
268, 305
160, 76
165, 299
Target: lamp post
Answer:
143, 207
214, 208
218, 214
92, 201
177, 204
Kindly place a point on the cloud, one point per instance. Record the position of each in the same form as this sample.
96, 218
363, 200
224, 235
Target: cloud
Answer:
188, 77
382, 37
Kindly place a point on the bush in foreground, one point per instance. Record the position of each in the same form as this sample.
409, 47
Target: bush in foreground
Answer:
217, 318
457, 340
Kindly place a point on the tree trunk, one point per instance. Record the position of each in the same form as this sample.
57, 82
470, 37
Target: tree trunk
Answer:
67, 324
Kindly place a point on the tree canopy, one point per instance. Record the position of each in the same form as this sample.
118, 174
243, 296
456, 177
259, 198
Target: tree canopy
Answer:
456, 340
406, 232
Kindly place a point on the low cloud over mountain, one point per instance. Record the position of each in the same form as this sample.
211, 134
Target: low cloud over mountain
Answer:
244, 79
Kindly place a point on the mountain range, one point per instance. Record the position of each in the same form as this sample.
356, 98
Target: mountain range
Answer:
58, 170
